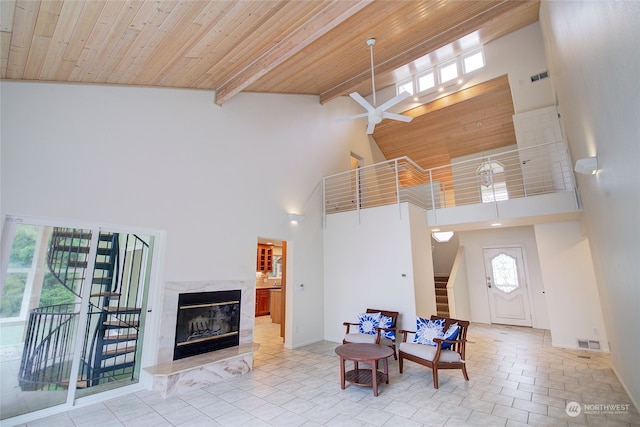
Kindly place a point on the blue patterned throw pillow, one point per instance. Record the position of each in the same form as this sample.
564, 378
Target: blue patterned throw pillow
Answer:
427, 330
450, 334
368, 322
387, 322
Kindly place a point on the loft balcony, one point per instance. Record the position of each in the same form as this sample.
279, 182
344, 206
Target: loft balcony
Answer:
516, 187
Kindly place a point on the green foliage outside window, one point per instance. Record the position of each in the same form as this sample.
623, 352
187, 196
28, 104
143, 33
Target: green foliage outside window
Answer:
20, 263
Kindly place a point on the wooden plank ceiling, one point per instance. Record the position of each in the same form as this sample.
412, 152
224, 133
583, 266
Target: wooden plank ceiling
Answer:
293, 47
470, 121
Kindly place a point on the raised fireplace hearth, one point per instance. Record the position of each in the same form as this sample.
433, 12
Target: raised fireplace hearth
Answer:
171, 377
207, 321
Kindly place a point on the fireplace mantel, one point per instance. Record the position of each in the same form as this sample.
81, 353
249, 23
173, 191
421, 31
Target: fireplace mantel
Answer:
173, 377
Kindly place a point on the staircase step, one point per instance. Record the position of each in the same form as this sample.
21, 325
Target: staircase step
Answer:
77, 264
113, 295
119, 338
72, 248
121, 324
103, 251
82, 382
74, 234
121, 310
118, 351
442, 299
441, 291
101, 281
103, 266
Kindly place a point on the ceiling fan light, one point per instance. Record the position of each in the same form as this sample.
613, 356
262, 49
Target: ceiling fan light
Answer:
375, 117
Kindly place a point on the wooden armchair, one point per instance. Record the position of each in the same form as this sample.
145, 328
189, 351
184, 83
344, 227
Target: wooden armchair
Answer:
384, 335
452, 356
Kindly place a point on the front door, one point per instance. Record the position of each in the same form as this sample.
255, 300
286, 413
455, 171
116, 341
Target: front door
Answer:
507, 286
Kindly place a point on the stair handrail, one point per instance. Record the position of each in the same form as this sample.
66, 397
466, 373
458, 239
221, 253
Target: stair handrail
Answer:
59, 257
46, 350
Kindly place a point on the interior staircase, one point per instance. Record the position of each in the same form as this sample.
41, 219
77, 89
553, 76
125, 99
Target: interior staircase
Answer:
442, 299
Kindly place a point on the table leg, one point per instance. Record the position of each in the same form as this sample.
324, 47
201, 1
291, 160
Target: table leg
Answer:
342, 372
374, 376
385, 363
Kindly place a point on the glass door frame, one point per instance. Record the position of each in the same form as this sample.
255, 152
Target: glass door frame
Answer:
152, 296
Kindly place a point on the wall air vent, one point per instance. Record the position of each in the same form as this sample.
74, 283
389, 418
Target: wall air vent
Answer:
588, 344
540, 76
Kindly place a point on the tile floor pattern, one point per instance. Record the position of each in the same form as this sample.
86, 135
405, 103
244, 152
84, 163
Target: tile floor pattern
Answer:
516, 379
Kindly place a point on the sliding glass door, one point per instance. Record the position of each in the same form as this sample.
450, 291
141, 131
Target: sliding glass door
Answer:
72, 305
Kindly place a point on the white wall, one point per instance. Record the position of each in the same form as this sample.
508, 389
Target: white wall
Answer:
213, 178
570, 285
423, 277
473, 243
521, 53
593, 55
364, 267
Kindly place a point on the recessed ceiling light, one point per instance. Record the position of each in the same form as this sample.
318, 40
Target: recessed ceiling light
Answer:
442, 236
435, 229
496, 224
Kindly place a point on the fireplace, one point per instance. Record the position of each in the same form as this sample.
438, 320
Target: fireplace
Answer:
207, 321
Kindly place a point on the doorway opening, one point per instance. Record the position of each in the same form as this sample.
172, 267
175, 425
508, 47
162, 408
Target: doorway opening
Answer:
271, 287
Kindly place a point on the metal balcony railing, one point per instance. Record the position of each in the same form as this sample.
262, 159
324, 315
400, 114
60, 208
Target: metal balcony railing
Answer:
512, 174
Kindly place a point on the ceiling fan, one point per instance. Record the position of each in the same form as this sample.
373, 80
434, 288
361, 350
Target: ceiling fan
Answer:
375, 114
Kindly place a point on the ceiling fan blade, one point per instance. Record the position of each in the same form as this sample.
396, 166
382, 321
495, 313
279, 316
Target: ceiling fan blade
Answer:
360, 100
357, 116
395, 116
395, 100
370, 127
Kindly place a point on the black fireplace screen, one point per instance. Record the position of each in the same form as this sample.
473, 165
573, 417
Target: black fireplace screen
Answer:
207, 321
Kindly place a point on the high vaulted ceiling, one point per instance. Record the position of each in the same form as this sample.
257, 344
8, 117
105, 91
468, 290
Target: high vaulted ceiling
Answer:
293, 47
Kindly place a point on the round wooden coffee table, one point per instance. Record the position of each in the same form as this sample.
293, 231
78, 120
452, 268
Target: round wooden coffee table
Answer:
369, 353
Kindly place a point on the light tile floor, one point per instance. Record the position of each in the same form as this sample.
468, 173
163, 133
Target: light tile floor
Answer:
516, 379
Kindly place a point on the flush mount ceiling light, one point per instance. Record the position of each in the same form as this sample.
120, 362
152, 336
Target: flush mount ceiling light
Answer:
587, 166
442, 236
295, 218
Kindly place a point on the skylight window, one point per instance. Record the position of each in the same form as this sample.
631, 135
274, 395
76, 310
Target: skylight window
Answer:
426, 81
449, 71
473, 61
406, 86
444, 74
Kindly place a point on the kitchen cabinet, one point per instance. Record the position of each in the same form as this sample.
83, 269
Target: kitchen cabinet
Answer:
275, 305
262, 302
264, 258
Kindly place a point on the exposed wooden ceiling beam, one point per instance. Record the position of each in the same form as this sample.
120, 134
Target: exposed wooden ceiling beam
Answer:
442, 39
331, 16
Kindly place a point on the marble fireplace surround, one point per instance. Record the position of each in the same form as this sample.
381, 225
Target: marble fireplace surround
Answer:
175, 377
